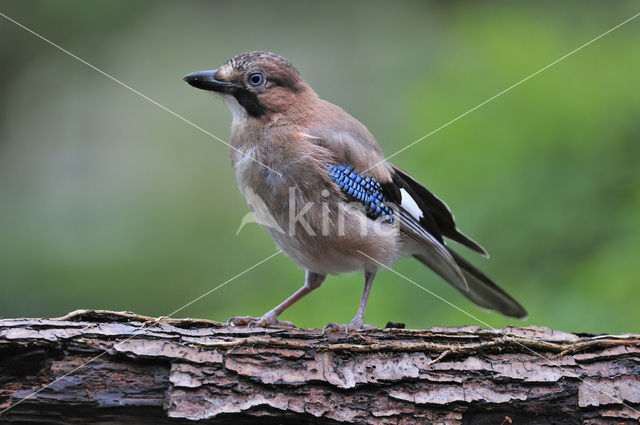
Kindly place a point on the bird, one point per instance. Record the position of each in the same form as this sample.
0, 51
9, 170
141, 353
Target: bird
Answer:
336, 204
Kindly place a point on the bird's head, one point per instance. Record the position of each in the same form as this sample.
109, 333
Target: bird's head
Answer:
255, 85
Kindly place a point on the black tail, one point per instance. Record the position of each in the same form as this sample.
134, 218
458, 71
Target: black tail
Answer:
482, 290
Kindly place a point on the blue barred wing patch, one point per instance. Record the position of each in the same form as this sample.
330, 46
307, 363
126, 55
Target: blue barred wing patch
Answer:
366, 190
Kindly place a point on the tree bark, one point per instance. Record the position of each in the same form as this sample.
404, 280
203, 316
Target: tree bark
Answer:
106, 367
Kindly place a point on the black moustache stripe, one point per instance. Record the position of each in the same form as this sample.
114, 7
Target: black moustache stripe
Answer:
250, 102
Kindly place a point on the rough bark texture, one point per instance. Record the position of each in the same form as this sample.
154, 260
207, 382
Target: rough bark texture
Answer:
194, 371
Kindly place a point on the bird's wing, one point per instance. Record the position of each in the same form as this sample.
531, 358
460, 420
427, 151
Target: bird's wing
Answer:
421, 215
435, 215
351, 143
371, 194
432, 253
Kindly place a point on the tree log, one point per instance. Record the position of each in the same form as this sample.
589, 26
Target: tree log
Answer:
106, 367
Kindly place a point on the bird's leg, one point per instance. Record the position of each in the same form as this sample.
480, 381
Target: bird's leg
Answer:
358, 319
312, 281
357, 322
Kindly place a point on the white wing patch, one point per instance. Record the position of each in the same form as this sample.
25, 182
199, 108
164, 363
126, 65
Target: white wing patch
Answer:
409, 205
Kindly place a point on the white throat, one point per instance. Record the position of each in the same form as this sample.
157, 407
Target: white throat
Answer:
238, 111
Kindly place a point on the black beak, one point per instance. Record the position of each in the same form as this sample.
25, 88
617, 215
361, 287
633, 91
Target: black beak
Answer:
206, 80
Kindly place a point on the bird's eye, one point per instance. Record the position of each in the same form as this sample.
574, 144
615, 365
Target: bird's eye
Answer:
256, 79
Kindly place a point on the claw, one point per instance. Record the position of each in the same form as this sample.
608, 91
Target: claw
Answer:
240, 321
347, 328
268, 320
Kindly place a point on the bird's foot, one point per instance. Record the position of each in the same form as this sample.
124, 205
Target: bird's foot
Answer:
269, 319
353, 326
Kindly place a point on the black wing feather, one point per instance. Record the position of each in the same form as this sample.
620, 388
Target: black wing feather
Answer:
437, 215
428, 222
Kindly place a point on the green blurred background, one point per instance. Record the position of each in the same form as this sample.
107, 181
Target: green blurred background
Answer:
107, 201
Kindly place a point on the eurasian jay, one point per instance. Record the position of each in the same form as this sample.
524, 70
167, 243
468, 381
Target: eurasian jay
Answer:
334, 203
